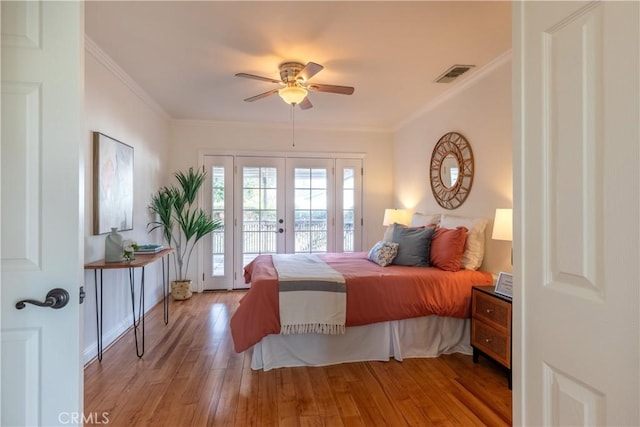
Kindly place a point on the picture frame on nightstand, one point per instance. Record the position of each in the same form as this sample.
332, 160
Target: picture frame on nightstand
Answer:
504, 285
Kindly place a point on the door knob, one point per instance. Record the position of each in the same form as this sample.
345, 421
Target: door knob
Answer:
56, 298
280, 230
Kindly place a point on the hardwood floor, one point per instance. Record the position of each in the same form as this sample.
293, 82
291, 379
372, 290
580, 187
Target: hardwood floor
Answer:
190, 376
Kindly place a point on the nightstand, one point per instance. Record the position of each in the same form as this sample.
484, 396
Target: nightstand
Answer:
491, 326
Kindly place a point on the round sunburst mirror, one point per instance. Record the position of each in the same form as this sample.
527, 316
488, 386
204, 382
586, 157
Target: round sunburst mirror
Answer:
451, 170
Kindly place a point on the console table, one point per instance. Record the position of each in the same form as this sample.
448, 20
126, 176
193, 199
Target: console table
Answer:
140, 261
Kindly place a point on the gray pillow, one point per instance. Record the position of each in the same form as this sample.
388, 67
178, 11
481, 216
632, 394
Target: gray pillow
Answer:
413, 245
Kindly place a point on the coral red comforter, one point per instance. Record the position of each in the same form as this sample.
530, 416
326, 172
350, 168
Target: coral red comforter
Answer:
374, 294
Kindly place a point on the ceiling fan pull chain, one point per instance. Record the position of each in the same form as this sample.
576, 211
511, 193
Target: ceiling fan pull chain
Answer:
293, 128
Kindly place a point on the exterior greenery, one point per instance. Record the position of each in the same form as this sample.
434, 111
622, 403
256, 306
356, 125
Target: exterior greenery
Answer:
182, 223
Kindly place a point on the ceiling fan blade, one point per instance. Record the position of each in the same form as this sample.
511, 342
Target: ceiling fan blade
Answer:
305, 104
253, 76
262, 95
309, 70
344, 90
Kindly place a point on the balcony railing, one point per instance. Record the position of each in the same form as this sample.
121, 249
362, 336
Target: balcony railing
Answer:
260, 237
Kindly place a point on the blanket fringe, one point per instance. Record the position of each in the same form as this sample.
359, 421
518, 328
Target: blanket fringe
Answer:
313, 328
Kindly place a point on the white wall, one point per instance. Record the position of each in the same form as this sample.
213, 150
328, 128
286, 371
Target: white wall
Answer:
113, 108
395, 164
191, 139
481, 111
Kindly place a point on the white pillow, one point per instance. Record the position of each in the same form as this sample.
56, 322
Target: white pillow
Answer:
388, 233
474, 247
421, 220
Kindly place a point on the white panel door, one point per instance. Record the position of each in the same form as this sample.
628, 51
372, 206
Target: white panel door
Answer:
41, 176
576, 188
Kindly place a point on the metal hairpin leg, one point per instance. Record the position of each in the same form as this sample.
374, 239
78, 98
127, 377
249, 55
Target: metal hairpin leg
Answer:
140, 320
98, 313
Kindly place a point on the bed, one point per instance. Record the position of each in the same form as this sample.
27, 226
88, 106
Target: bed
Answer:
394, 311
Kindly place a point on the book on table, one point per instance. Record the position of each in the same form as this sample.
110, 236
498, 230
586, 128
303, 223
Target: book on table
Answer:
148, 249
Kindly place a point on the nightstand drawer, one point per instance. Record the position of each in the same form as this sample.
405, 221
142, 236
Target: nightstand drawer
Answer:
491, 310
492, 342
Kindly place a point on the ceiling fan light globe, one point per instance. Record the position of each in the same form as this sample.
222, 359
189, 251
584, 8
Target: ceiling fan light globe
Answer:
292, 94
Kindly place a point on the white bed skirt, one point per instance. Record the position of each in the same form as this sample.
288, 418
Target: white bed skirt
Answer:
428, 336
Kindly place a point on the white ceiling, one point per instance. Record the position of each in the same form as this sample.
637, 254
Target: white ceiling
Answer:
185, 54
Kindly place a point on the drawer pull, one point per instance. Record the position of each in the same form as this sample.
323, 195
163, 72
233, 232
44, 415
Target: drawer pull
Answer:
487, 340
489, 311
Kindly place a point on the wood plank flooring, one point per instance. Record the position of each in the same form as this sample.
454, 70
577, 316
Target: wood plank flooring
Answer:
190, 376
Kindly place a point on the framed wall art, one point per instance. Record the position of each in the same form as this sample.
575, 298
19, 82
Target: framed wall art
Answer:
112, 184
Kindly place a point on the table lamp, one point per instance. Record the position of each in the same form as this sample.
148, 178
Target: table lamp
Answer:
503, 226
394, 216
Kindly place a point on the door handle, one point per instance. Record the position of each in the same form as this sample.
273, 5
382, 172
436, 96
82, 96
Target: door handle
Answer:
56, 298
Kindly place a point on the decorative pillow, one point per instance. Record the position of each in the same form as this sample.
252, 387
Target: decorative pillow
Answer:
419, 219
474, 248
383, 253
447, 246
414, 244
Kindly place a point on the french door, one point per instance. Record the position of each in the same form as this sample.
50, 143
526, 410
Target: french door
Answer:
259, 210
279, 205
310, 219
218, 266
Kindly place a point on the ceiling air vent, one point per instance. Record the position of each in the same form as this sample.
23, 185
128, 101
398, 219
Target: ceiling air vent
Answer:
453, 73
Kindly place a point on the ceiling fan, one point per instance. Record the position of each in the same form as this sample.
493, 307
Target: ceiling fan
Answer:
295, 84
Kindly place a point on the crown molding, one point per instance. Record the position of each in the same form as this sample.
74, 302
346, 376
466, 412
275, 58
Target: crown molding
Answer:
104, 59
108, 62
275, 125
456, 90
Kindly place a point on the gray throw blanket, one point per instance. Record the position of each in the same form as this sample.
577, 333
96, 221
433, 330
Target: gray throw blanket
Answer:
313, 296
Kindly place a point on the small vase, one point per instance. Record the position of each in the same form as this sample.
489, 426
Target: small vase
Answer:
113, 250
181, 289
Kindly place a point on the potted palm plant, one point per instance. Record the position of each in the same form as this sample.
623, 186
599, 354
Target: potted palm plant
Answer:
182, 224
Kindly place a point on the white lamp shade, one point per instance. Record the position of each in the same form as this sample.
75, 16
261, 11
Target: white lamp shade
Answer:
394, 216
292, 94
502, 225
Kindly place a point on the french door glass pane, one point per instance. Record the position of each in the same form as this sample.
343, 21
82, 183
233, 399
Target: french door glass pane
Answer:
217, 212
348, 208
310, 209
259, 211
